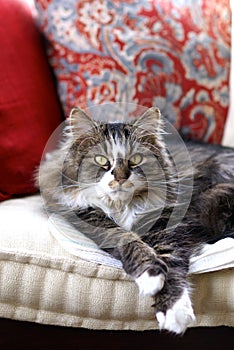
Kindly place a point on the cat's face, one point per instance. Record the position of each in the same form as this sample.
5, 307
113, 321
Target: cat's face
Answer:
115, 168
114, 164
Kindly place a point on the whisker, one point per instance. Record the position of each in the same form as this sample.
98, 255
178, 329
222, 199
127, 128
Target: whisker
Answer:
77, 183
67, 177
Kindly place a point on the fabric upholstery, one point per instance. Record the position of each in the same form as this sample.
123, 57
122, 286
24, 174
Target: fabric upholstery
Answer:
29, 107
42, 282
173, 54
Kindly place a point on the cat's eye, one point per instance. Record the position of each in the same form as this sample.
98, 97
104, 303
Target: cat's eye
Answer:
135, 160
102, 161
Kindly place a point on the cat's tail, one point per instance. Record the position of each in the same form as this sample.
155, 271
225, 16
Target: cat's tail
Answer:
216, 211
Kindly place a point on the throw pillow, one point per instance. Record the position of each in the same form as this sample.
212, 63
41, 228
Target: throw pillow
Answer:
29, 105
169, 53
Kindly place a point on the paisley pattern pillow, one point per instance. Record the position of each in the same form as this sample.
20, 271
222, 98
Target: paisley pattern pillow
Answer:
171, 53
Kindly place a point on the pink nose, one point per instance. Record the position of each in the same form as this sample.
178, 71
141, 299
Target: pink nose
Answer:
120, 181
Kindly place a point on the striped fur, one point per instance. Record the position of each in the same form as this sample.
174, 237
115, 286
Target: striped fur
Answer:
119, 185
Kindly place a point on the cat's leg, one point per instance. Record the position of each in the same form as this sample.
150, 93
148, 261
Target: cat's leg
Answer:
148, 266
173, 306
139, 260
142, 263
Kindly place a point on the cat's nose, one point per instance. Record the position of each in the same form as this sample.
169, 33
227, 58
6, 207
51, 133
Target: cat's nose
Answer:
120, 178
121, 181
121, 172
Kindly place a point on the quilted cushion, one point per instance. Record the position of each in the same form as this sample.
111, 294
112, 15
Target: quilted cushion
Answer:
29, 107
175, 54
42, 282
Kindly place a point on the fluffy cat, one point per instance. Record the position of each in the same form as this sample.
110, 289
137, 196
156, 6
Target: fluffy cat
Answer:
117, 183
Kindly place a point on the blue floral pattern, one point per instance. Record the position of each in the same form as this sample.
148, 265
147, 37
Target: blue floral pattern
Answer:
172, 53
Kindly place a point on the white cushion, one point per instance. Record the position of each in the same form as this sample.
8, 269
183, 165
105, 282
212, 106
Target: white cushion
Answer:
41, 281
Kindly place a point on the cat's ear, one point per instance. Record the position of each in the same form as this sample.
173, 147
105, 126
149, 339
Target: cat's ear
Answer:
150, 120
80, 122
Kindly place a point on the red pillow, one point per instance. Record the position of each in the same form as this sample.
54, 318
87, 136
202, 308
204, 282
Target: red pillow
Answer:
29, 106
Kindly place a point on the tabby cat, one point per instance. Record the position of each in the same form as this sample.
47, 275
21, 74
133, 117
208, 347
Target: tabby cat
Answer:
117, 183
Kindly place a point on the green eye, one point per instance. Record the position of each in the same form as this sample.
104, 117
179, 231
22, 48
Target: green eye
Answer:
135, 160
102, 161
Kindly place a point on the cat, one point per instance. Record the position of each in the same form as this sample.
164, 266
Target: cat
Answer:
117, 183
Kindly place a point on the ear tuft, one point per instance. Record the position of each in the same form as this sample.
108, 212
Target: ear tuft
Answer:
150, 120
80, 121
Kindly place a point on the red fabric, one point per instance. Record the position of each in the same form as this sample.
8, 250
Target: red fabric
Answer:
29, 106
169, 53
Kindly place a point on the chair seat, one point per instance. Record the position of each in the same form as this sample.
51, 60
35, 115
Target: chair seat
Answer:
44, 280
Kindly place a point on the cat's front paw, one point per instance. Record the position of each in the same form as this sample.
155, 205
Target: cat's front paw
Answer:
177, 318
149, 284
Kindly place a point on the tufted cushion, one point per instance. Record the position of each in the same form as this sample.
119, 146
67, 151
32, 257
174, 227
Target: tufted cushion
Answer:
29, 106
175, 54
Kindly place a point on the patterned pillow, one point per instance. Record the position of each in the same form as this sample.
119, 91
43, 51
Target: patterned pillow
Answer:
171, 53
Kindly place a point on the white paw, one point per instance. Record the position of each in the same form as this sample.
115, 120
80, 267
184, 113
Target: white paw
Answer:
179, 316
150, 285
